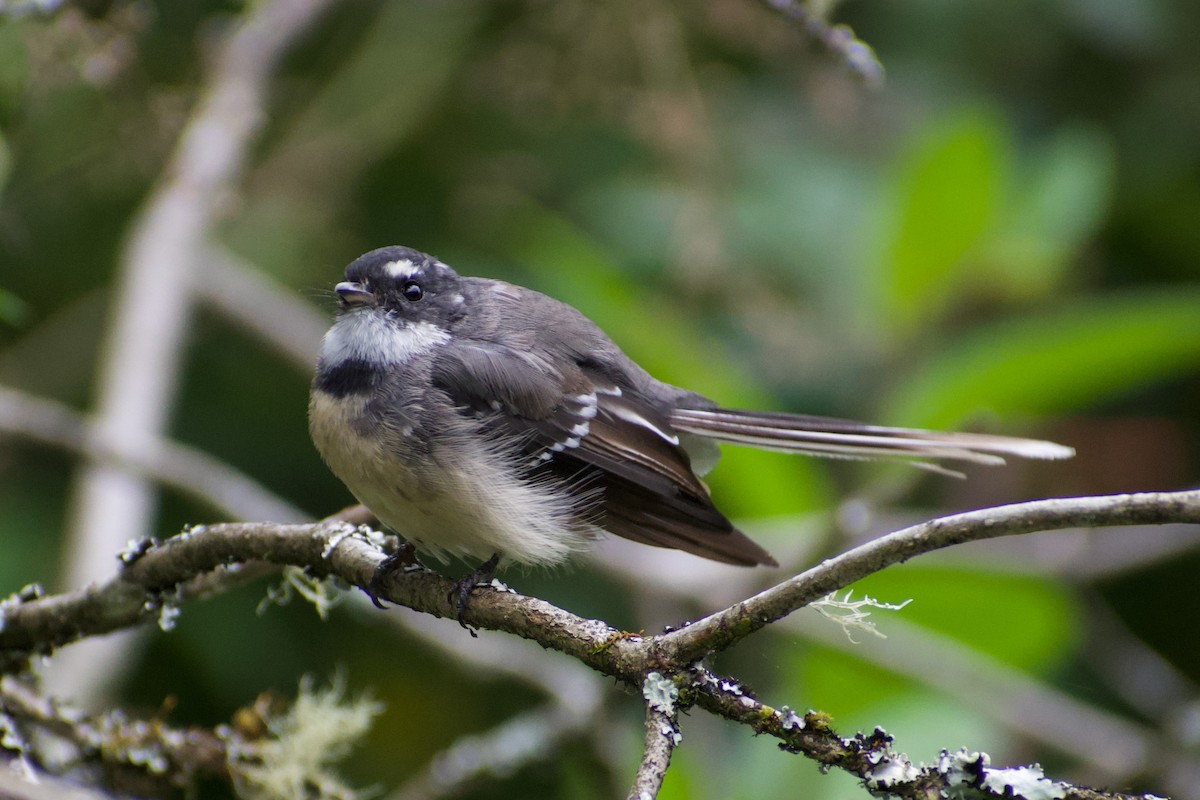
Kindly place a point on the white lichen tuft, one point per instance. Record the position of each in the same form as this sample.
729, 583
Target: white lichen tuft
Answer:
672, 733
1029, 783
850, 614
340, 532
790, 720
168, 614
960, 768
321, 593
660, 692
136, 548
339, 535
965, 770
500, 586
890, 770
301, 747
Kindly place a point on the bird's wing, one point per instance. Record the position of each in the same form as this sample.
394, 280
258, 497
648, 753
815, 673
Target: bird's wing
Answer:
578, 425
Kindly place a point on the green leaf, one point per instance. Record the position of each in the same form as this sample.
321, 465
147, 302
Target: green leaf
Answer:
1074, 355
948, 194
1058, 207
840, 683
1025, 621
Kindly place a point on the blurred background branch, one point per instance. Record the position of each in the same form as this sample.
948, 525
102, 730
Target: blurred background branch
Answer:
186, 470
143, 352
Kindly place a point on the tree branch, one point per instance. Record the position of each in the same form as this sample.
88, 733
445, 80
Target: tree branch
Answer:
659, 664
105, 607
839, 39
256, 303
724, 628
870, 756
189, 471
661, 736
526, 738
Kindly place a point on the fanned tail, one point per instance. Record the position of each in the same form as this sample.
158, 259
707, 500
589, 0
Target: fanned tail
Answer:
839, 438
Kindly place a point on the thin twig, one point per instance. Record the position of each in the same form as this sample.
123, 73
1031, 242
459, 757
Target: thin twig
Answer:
724, 628
661, 736
839, 39
868, 756
1112, 746
113, 737
527, 738
253, 301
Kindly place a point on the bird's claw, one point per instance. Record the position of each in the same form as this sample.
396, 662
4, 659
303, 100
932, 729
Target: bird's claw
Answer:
404, 557
460, 594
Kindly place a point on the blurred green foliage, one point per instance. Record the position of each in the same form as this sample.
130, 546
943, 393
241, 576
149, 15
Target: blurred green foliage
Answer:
1006, 235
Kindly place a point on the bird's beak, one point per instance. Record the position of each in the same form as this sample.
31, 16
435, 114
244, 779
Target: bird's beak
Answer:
353, 294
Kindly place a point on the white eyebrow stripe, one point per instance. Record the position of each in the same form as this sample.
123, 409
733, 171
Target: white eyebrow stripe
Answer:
402, 268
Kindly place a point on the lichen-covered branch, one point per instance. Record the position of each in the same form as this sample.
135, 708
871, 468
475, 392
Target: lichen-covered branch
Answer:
271, 749
151, 578
872, 758
145, 749
724, 628
661, 735
156, 577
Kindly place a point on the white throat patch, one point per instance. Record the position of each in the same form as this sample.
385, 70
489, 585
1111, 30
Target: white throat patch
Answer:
370, 336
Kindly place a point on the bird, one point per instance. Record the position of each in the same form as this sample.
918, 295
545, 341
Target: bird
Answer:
490, 422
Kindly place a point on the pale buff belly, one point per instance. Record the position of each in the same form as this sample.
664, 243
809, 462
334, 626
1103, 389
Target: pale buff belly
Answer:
470, 507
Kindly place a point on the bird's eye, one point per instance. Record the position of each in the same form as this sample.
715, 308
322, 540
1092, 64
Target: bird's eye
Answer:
413, 291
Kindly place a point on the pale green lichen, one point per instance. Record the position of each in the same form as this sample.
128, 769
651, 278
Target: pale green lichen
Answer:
660, 692
851, 614
321, 593
296, 757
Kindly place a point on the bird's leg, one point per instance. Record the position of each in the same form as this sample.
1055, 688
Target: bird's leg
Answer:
404, 557
461, 592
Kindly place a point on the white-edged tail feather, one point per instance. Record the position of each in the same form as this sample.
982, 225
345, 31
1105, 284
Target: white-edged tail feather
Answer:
838, 438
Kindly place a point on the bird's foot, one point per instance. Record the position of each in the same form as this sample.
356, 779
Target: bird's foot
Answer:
460, 594
403, 558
